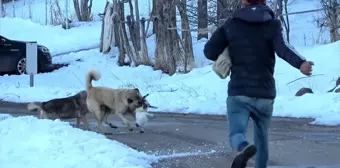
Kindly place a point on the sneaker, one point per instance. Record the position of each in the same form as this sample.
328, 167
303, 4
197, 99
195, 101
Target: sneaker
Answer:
241, 159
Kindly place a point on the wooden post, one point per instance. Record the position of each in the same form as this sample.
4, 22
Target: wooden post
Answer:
31, 79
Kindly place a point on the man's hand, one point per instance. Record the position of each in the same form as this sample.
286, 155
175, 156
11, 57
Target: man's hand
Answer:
306, 68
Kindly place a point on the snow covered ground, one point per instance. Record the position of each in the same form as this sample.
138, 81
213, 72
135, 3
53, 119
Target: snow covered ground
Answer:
37, 143
200, 91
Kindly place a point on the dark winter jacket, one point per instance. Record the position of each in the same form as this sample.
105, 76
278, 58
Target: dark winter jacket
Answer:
253, 36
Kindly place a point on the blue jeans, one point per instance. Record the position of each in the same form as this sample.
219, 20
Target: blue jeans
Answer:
240, 108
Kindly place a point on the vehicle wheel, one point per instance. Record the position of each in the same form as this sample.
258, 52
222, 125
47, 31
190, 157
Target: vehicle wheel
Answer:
21, 66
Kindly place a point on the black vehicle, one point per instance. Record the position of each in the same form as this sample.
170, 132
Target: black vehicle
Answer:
13, 57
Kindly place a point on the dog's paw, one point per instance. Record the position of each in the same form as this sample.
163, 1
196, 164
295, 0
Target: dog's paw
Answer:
141, 131
131, 129
137, 125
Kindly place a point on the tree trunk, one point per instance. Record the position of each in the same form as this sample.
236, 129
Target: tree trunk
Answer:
2, 9
275, 8
66, 17
103, 35
137, 27
115, 23
150, 13
331, 18
121, 27
51, 12
77, 9
131, 22
127, 46
46, 11
158, 28
202, 12
287, 25
189, 62
334, 21
225, 8
13, 8
29, 10
164, 59
134, 53
279, 10
222, 10
154, 14
284, 20
173, 39
83, 12
221, 4
144, 48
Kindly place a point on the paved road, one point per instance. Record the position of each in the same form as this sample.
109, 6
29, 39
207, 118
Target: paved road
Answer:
191, 141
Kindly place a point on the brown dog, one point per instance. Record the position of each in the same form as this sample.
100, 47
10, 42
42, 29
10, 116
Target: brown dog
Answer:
119, 101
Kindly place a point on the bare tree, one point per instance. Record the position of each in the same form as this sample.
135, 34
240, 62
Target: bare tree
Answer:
188, 62
225, 8
29, 9
285, 20
274, 5
144, 48
330, 18
133, 29
83, 11
279, 7
13, 8
2, 12
46, 11
56, 14
192, 11
114, 34
165, 39
66, 17
221, 9
283, 6
137, 26
202, 13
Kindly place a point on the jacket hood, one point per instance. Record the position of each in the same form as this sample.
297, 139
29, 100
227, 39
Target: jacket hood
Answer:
255, 14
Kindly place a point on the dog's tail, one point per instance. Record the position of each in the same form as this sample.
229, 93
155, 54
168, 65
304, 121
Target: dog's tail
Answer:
33, 106
91, 75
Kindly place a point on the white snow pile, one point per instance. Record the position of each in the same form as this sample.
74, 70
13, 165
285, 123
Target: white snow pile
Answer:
199, 91
30, 142
55, 38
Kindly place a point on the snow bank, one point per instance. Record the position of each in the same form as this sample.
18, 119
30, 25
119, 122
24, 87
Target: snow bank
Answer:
57, 39
60, 41
30, 142
199, 91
